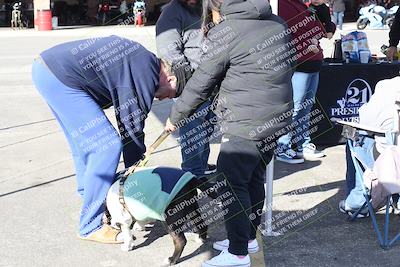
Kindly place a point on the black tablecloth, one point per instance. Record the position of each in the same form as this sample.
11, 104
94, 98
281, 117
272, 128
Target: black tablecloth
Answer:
342, 90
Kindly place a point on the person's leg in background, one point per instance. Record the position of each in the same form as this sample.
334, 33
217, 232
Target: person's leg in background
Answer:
340, 19
350, 171
304, 89
363, 148
300, 84
285, 143
209, 126
75, 110
335, 18
302, 142
194, 142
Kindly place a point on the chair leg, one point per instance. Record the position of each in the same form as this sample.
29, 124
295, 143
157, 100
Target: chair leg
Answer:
374, 223
355, 214
386, 227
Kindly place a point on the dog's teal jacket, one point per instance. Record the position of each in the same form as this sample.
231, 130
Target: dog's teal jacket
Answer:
149, 191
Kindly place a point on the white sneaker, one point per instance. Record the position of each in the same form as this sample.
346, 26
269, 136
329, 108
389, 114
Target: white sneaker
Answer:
224, 245
226, 259
311, 152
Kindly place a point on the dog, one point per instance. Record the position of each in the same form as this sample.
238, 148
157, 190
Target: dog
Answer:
142, 189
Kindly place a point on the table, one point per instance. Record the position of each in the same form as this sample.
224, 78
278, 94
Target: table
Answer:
342, 90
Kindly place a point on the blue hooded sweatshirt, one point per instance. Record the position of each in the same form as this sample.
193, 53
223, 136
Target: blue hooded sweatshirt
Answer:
116, 72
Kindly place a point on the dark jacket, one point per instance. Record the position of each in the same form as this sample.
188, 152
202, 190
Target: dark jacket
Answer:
255, 90
305, 27
114, 71
178, 34
337, 5
324, 16
394, 34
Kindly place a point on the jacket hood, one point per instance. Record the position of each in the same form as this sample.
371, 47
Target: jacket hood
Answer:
246, 9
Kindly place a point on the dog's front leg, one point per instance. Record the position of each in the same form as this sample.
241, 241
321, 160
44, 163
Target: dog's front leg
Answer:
126, 232
179, 240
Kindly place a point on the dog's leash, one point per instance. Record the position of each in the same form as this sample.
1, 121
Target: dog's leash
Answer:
146, 158
141, 163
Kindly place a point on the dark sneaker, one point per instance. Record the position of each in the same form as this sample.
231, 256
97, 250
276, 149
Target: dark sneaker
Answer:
289, 156
211, 168
395, 207
364, 213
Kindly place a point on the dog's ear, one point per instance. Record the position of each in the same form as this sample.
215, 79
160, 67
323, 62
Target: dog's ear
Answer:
202, 183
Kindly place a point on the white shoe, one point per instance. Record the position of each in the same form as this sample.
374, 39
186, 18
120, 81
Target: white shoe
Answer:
224, 245
226, 259
311, 152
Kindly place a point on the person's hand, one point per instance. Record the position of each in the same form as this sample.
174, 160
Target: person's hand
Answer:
314, 41
169, 127
390, 53
329, 35
313, 48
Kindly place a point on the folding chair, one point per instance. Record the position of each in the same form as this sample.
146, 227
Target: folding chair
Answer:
354, 131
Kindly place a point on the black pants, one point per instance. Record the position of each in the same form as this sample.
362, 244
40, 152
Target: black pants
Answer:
243, 166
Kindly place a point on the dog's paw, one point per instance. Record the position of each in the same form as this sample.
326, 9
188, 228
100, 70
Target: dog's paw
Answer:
201, 239
127, 247
138, 227
169, 261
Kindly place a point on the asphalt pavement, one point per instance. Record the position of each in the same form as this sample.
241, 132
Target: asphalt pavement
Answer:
39, 205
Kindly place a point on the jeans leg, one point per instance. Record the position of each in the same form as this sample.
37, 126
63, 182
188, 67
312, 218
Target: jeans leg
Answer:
335, 18
300, 81
98, 145
340, 19
350, 170
284, 142
210, 130
194, 138
300, 84
364, 151
309, 101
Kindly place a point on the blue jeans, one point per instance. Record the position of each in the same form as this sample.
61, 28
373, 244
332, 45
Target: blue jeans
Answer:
337, 18
194, 140
350, 171
305, 87
94, 143
363, 148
